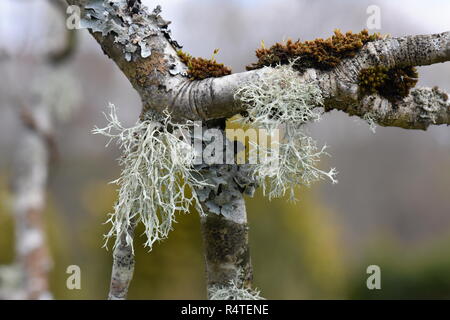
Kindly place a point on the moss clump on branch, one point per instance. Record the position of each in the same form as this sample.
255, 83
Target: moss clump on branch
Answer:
320, 53
392, 84
200, 68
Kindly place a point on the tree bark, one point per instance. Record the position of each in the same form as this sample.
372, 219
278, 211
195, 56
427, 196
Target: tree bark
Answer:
224, 222
29, 186
227, 251
161, 78
123, 268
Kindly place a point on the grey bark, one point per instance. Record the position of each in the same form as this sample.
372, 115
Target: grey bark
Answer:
36, 148
123, 268
29, 187
224, 227
227, 252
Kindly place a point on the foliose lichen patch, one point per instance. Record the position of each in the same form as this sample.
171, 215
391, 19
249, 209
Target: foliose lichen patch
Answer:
431, 101
132, 24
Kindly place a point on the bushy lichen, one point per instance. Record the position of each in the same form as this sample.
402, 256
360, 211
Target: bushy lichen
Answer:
320, 53
280, 98
392, 84
200, 68
235, 289
280, 101
157, 175
233, 292
371, 119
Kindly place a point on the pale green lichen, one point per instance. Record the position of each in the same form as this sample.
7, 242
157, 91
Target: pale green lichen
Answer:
281, 101
280, 98
292, 163
233, 292
370, 119
158, 175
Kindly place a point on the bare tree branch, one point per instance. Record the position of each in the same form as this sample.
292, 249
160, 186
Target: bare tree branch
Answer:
123, 268
417, 50
227, 251
29, 184
420, 109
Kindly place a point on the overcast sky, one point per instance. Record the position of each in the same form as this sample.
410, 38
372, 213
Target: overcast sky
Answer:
18, 16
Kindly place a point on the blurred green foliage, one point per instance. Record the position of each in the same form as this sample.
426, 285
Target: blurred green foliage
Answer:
422, 272
296, 248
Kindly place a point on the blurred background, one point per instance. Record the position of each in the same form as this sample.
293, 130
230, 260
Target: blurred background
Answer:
391, 207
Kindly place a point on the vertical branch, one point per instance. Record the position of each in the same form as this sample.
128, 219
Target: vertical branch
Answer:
123, 267
227, 251
29, 184
224, 225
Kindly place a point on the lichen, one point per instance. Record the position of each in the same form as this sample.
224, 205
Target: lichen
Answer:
157, 175
130, 23
201, 68
320, 53
280, 101
233, 292
225, 184
431, 101
371, 119
392, 84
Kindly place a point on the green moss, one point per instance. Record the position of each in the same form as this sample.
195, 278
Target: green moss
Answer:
200, 68
320, 53
392, 84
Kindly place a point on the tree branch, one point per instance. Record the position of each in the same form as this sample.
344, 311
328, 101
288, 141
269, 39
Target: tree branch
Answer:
227, 251
149, 60
417, 50
29, 182
420, 109
123, 267
225, 229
